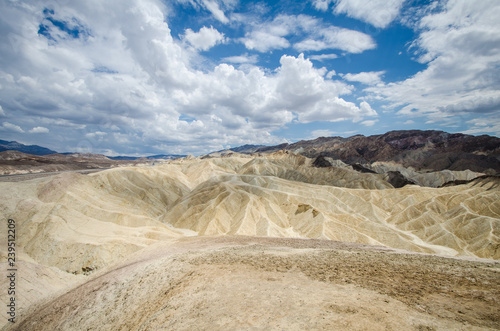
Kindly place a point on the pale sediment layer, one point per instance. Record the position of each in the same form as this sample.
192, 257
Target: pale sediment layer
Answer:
256, 283
72, 225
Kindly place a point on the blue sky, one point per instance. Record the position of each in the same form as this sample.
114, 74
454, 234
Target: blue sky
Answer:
140, 77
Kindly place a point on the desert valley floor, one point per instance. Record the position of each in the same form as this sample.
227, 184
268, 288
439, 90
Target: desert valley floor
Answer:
254, 243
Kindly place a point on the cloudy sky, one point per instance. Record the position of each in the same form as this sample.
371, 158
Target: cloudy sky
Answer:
142, 77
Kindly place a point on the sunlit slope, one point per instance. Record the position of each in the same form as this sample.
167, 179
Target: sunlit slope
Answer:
428, 179
240, 283
299, 168
456, 220
76, 222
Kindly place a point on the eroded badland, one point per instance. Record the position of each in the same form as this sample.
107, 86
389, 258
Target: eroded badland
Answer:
254, 242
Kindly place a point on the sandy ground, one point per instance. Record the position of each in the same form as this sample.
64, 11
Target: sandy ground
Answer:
254, 283
193, 245
23, 177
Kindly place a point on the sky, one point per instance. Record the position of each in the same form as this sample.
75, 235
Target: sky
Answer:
145, 77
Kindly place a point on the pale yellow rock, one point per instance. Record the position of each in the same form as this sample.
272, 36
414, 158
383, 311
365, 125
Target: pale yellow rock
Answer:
72, 224
233, 283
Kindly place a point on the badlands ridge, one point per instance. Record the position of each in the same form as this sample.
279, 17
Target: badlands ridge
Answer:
255, 242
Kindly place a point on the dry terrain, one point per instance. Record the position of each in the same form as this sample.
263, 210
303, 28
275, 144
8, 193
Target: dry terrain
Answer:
252, 243
16, 163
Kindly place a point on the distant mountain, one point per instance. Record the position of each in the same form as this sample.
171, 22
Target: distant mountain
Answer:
152, 157
422, 150
246, 149
28, 149
165, 156
123, 158
38, 150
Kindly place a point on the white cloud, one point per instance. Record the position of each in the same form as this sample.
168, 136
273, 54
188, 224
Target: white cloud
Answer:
460, 45
323, 57
367, 109
6, 126
263, 41
205, 39
316, 36
39, 129
2, 112
369, 122
266, 36
379, 13
487, 125
409, 122
213, 7
128, 83
245, 58
368, 78
330, 74
322, 4
337, 38
304, 90
96, 134
243, 101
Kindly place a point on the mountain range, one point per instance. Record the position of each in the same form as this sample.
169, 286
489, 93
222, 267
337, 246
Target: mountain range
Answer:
28, 149
421, 150
39, 150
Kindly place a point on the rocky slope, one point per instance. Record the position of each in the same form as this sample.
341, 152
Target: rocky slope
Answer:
421, 150
14, 162
116, 240
234, 283
28, 149
278, 195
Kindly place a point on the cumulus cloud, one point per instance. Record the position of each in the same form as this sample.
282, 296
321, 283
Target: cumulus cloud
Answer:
369, 122
368, 78
367, 109
296, 91
263, 41
316, 36
337, 38
488, 125
96, 134
460, 45
6, 126
322, 4
304, 90
323, 57
213, 6
379, 13
39, 129
53, 79
330, 74
242, 59
204, 39
126, 83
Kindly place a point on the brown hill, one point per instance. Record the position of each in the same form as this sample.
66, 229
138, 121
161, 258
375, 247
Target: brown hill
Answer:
14, 162
422, 150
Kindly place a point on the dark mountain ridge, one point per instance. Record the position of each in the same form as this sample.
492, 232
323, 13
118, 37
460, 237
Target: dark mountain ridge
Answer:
423, 150
28, 149
40, 151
